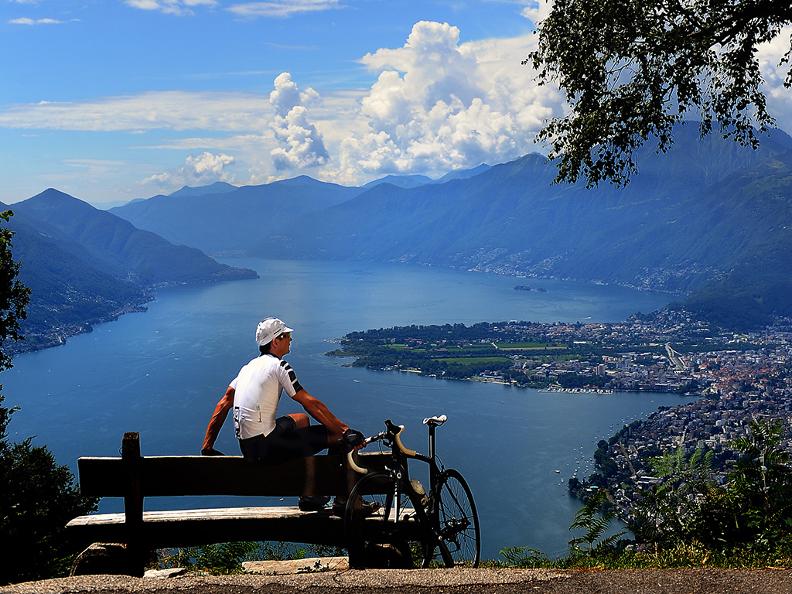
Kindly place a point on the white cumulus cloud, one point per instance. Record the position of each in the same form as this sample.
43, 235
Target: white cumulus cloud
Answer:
300, 143
779, 97
439, 104
537, 10
197, 170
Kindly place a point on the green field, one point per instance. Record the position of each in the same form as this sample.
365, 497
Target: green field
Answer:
474, 360
468, 348
531, 346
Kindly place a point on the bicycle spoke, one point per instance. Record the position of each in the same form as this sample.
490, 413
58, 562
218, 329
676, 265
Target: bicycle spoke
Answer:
458, 521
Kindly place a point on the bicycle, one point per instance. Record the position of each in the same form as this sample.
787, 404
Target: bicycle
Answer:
441, 525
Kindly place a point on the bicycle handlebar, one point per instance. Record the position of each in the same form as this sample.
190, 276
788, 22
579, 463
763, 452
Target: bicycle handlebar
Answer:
393, 434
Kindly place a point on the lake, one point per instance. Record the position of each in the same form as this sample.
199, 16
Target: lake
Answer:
162, 371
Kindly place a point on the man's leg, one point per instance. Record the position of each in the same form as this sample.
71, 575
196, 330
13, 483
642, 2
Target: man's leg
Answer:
294, 437
301, 420
297, 438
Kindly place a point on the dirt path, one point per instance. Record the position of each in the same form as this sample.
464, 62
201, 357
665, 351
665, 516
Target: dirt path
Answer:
454, 581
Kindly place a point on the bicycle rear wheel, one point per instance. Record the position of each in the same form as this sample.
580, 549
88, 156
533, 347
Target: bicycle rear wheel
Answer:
395, 534
458, 520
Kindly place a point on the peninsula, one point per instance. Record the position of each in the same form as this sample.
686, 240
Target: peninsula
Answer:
658, 352
740, 377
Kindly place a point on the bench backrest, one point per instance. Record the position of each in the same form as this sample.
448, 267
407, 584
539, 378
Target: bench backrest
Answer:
212, 475
135, 477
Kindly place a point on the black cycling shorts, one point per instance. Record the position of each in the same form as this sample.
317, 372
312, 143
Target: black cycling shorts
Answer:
285, 442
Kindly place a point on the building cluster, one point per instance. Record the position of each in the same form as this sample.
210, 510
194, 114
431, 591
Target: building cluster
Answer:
669, 351
744, 385
739, 377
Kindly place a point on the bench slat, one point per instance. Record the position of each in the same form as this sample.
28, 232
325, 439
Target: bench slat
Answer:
215, 475
226, 513
181, 528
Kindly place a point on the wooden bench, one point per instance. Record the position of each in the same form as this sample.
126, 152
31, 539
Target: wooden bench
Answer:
135, 477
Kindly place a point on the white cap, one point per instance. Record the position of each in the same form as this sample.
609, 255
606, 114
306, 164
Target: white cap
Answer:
269, 329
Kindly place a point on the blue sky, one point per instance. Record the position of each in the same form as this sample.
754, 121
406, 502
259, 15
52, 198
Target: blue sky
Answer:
110, 100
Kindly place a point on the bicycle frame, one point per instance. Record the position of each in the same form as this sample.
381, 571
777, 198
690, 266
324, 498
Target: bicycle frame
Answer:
401, 472
430, 507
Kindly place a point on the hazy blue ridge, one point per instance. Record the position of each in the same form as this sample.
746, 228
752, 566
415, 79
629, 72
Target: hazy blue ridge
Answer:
413, 181
141, 256
69, 289
233, 221
462, 173
693, 217
400, 181
707, 220
84, 265
215, 188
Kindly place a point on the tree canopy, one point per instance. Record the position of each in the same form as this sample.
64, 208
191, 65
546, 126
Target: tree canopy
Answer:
13, 294
631, 69
37, 496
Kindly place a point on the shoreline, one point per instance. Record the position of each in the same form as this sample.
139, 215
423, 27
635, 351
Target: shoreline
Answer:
59, 336
545, 389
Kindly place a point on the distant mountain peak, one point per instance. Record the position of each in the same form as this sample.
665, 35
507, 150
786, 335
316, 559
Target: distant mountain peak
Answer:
53, 193
300, 179
54, 196
218, 187
463, 173
400, 181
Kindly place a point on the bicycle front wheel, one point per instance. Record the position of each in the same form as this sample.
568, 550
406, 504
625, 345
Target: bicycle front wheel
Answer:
385, 525
458, 520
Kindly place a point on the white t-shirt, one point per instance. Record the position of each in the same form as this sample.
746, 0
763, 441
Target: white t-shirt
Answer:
257, 390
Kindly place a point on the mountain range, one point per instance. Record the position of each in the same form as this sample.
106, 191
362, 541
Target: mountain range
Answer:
708, 220
85, 265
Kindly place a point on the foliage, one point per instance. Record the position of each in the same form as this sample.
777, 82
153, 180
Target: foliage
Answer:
688, 519
524, 557
755, 510
672, 511
221, 558
631, 70
227, 557
37, 496
594, 518
13, 296
750, 513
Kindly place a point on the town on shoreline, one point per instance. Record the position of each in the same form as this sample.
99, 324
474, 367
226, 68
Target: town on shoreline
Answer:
738, 377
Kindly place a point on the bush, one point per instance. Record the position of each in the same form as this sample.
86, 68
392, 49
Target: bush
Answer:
37, 498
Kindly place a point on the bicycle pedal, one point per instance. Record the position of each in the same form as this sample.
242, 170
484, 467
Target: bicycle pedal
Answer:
418, 487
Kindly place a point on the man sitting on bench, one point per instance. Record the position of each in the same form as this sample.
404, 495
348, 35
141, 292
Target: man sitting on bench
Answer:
254, 396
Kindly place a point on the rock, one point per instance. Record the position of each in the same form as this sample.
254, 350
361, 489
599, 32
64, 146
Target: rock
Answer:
165, 573
293, 566
102, 558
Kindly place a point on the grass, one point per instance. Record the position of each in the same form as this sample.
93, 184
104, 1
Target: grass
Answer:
680, 556
470, 361
531, 346
469, 348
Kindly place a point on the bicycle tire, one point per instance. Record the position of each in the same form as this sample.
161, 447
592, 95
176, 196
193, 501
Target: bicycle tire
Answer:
458, 522
376, 536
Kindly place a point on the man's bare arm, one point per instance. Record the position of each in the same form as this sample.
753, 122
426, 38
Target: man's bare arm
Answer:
216, 422
319, 411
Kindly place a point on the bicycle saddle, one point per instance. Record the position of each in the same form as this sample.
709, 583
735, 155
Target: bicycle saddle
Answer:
435, 421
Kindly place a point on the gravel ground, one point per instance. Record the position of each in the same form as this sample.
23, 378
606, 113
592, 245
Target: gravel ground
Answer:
452, 581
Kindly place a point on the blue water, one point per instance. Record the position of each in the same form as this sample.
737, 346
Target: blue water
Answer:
162, 371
